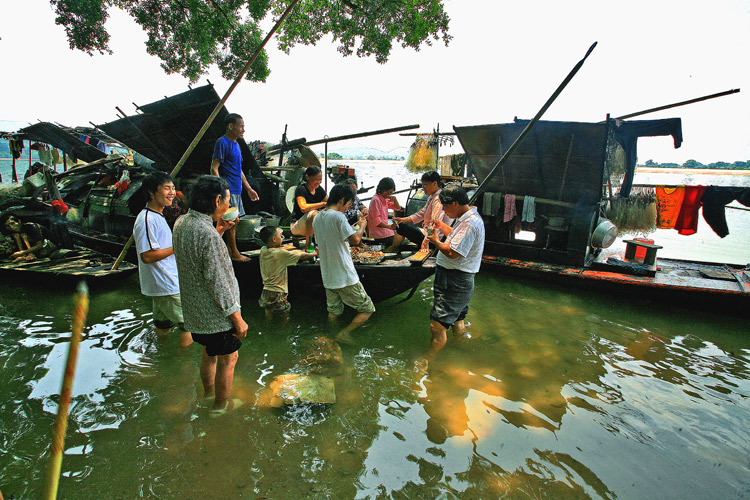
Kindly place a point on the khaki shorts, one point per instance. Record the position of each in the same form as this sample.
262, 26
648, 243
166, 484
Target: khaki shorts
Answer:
353, 296
168, 312
303, 226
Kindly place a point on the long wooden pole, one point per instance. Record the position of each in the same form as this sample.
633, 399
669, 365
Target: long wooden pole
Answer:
483, 186
212, 116
681, 103
80, 310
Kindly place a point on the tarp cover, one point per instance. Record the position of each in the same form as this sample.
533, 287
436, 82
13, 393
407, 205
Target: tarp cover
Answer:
70, 144
556, 160
163, 131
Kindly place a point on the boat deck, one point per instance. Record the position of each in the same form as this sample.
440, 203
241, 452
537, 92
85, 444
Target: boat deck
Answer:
79, 263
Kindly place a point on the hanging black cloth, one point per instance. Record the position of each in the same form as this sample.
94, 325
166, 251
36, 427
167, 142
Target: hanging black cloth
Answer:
627, 134
715, 198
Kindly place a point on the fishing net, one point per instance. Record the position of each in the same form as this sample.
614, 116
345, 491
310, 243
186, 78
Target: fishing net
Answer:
423, 154
635, 214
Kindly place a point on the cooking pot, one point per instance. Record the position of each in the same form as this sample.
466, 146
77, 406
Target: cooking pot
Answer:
246, 227
604, 234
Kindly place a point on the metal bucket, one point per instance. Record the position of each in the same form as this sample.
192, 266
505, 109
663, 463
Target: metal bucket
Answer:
246, 227
604, 235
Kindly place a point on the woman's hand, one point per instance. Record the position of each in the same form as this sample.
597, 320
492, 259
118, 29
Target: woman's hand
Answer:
224, 225
401, 220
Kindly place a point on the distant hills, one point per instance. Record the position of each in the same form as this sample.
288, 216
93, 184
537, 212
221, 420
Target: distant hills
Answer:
12, 125
362, 153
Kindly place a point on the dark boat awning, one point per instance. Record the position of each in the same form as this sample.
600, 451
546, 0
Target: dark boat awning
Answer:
163, 130
71, 144
556, 160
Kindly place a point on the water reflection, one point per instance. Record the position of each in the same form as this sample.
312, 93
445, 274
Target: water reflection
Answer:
557, 395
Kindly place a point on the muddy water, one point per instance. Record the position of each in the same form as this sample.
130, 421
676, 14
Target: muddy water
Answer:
559, 394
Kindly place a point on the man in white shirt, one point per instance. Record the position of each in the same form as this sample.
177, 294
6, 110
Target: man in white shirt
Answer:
157, 267
334, 234
458, 261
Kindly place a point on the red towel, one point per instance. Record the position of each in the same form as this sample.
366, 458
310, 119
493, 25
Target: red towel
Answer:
687, 221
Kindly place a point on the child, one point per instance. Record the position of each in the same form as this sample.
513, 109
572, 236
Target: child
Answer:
377, 217
273, 263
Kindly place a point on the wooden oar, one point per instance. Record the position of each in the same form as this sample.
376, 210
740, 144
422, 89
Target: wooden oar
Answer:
483, 186
80, 310
213, 114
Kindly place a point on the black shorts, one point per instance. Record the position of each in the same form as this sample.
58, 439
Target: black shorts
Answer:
218, 344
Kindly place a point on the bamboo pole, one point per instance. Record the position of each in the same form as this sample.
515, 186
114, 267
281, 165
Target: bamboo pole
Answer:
681, 103
212, 116
361, 134
483, 186
80, 310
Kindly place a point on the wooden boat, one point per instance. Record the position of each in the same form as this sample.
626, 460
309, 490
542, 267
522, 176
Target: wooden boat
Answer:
567, 167
382, 281
74, 265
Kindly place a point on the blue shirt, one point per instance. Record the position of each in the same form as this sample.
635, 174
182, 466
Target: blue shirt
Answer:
230, 167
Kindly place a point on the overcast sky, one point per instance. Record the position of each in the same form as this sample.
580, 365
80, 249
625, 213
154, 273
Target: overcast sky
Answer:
505, 60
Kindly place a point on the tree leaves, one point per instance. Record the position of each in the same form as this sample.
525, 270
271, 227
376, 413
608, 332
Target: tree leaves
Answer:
191, 35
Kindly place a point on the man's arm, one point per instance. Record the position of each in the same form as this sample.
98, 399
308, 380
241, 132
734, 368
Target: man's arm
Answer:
356, 238
151, 256
250, 191
215, 167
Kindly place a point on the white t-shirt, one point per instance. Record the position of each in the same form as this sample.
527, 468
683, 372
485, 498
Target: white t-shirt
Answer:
467, 240
331, 234
151, 232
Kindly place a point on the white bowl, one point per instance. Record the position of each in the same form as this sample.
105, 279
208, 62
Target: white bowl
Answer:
231, 214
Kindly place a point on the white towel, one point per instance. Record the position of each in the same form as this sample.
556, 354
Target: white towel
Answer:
528, 213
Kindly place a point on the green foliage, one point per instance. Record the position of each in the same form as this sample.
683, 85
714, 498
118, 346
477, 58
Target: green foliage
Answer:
190, 35
721, 165
335, 156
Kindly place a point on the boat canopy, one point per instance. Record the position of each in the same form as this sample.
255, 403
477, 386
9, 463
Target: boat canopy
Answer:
557, 160
164, 129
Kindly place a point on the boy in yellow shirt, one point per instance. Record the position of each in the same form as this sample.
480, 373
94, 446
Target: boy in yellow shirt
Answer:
273, 263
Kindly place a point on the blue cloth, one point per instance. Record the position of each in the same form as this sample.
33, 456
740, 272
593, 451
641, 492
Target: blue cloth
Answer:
627, 134
230, 167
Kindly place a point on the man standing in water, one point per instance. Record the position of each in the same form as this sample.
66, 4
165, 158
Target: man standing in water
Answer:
210, 292
157, 267
227, 163
333, 234
458, 261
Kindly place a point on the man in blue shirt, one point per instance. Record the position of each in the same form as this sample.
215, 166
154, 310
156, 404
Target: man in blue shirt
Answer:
227, 163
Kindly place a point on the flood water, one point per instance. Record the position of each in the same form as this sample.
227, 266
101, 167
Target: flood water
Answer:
561, 393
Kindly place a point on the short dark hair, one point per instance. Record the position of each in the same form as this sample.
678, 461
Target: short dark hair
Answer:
154, 180
231, 119
266, 233
310, 171
340, 192
385, 184
452, 193
3, 219
432, 176
204, 192
351, 181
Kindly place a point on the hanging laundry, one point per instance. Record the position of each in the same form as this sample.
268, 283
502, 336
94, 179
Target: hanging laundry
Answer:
16, 146
715, 198
687, 221
528, 213
510, 207
668, 204
45, 155
487, 204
